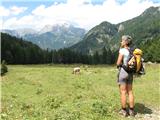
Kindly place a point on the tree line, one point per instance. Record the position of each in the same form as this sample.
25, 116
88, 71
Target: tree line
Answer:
151, 50
17, 51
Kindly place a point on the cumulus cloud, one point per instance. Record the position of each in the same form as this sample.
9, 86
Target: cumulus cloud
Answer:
82, 13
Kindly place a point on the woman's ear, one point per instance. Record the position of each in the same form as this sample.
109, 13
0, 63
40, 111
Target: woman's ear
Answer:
126, 42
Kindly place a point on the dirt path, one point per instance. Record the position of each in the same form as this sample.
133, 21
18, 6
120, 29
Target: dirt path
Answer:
149, 114
155, 115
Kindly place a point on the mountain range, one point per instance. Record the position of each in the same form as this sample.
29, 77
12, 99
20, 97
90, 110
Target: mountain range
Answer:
50, 37
143, 28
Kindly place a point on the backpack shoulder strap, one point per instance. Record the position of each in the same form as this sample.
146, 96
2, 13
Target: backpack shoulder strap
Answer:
131, 50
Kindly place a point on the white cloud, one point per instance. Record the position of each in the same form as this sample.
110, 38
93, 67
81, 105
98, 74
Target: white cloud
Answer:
82, 13
14, 10
4, 11
12, 22
1, 23
17, 10
26, 21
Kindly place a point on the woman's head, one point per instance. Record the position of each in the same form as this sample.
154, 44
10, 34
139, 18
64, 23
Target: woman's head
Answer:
126, 40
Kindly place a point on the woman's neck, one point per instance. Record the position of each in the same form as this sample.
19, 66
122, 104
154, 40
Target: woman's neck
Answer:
126, 47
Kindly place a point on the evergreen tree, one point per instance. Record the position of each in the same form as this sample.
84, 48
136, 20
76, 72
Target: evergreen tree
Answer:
104, 56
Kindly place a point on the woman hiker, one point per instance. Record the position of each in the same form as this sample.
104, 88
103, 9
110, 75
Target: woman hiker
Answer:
125, 79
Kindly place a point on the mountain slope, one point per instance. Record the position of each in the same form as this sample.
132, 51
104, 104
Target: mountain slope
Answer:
97, 38
142, 28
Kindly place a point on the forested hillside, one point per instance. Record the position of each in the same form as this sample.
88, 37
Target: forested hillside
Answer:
16, 51
151, 50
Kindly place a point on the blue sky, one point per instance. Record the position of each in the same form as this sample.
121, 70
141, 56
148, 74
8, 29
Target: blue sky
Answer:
82, 13
47, 2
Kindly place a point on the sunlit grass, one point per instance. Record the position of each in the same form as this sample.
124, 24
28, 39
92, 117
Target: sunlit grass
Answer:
38, 92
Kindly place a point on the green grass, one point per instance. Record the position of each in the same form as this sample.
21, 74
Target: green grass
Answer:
44, 92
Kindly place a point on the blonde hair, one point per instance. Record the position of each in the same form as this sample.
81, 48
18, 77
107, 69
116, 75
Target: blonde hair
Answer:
128, 39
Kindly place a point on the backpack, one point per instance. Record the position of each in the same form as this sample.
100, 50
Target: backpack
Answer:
135, 62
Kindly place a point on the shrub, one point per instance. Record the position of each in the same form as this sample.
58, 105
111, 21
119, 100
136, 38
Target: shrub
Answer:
4, 68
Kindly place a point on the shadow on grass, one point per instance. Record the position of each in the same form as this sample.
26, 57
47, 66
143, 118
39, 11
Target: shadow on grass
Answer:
142, 109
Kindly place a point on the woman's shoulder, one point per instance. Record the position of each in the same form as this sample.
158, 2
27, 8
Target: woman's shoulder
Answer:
123, 50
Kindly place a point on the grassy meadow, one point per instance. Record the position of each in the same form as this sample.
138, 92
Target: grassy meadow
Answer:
52, 92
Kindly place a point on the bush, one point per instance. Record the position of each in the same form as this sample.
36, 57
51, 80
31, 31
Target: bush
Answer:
4, 68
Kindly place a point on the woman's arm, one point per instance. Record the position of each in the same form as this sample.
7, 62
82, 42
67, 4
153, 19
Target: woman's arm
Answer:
119, 60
